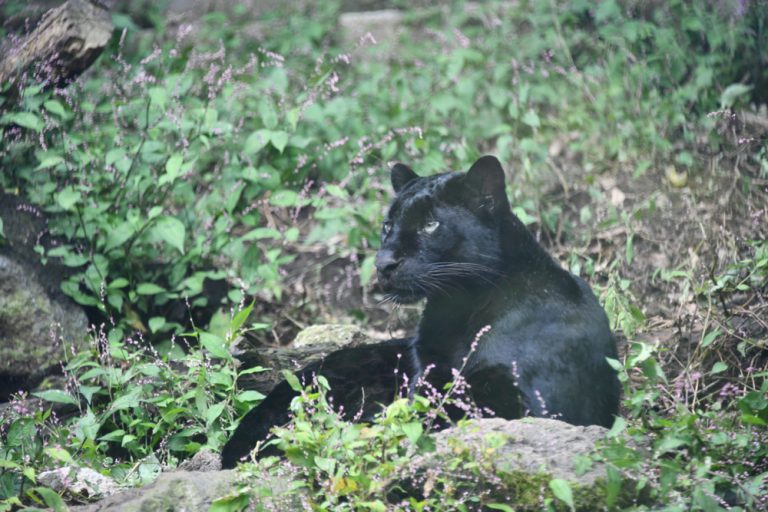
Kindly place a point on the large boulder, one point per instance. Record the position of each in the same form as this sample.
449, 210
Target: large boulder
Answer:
36, 329
38, 323
182, 491
514, 462
502, 461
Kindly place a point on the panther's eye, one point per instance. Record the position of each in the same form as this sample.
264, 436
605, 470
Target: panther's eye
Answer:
386, 228
430, 227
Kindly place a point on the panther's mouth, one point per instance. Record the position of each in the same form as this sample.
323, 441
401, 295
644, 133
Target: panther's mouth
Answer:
397, 293
405, 297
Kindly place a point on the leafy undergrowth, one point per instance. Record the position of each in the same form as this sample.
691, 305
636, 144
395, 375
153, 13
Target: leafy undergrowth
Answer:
193, 170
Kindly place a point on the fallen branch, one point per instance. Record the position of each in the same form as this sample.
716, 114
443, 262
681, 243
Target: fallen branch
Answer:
65, 43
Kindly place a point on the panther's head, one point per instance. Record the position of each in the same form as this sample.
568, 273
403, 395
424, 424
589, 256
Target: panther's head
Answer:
442, 232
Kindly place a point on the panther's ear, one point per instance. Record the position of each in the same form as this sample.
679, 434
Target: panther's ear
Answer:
486, 177
401, 175
485, 183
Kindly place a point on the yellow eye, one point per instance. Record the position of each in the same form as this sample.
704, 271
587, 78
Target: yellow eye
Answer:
430, 227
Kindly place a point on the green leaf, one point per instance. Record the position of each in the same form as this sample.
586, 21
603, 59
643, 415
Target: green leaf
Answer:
156, 323
68, 197
279, 140
249, 396
128, 401
118, 283
710, 337
531, 118
119, 235
2, 231
58, 453
214, 344
56, 108
113, 155
500, 506
172, 169
24, 119
256, 141
56, 396
293, 117
284, 198
115, 435
159, 96
367, 268
154, 212
231, 503
325, 464
260, 233
619, 425
241, 317
89, 391
751, 419
214, 412
149, 289
127, 439
731, 94
562, 491
51, 498
171, 230
719, 367
50, 161
268, 114
255, 369
292, 380
413, 430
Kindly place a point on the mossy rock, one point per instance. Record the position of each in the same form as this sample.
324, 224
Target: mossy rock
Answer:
513, 462
340, 335
36, 328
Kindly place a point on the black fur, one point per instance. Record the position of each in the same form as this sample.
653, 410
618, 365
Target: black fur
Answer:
452, 239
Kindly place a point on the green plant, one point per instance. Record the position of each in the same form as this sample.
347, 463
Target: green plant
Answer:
174, 164
707, 455
338, 465
127, 409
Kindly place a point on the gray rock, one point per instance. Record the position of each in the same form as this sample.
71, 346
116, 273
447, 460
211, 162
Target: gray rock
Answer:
509, 462
78, 482
187, 491
36, 328
37, 321
514, 461
384, 27
339, 335
204, 460
531, 445
310, 345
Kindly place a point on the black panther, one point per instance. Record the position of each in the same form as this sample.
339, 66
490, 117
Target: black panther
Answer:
453, 239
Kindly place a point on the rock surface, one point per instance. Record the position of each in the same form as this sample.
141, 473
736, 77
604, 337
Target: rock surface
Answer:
531, 445
310, 345
37, 321
519, 457
65, 43
338, 335
78, 482
514, 461
35, 328
381, 28
187, 491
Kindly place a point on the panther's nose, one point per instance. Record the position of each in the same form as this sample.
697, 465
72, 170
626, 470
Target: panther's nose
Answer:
386, 263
